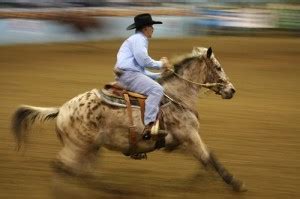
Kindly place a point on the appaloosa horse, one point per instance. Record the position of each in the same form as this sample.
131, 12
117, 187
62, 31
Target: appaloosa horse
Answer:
87, 122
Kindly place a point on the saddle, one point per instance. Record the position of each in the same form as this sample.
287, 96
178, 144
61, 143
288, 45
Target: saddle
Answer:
115, 95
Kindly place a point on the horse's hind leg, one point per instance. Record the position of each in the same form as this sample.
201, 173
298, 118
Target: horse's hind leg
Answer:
76, 160
76, 157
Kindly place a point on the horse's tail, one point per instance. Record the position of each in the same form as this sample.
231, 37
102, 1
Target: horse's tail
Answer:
25, 116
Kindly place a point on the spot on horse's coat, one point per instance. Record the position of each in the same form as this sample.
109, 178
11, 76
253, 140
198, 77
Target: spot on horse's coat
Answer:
81, 104
72, 119
85, 137
87, 95
98, 117
94, 124
96, 106
80, 98
89, 114
89, 105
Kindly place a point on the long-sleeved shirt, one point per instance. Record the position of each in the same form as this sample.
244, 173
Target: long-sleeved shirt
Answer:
133, 56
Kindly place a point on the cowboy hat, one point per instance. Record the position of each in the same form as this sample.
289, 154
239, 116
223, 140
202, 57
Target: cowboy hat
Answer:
142, 20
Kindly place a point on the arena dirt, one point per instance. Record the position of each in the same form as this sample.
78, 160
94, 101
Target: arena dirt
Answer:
255, 135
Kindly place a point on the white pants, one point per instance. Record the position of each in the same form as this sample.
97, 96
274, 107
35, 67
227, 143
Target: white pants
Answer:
140, 83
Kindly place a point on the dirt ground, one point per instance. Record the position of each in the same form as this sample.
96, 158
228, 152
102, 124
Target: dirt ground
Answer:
255, 135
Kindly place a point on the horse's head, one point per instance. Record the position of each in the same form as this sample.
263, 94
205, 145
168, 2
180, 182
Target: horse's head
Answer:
215, 73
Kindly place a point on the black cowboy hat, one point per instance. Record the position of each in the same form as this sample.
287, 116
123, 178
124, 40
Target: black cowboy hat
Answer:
142, 20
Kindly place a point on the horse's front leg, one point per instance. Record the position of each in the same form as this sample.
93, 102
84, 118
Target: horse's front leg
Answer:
236, 184
196, 146
199, 150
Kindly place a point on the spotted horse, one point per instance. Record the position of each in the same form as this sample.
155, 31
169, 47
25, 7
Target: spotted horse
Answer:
88, 122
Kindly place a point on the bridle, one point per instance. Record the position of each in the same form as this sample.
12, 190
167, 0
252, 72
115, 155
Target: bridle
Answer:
206, 85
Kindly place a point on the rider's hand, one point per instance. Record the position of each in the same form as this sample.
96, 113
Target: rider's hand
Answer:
166, 64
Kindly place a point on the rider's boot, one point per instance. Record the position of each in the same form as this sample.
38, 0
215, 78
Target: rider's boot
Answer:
151, 130
147, 131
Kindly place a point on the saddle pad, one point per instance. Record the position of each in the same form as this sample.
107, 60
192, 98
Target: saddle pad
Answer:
114, 100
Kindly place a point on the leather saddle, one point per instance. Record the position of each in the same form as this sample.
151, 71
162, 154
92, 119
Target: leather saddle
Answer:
115, 95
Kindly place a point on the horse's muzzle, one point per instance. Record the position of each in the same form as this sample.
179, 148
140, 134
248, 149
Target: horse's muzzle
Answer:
228, 91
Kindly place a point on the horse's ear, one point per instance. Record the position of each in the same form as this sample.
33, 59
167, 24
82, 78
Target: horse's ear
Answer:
196, 50
209, 52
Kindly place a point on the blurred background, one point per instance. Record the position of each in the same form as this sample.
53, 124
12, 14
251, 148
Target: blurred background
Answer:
30, 21
51, 51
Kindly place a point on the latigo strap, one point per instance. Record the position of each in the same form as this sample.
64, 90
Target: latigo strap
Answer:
132, 127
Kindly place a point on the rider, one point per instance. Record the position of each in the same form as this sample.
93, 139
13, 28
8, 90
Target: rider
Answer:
132, 59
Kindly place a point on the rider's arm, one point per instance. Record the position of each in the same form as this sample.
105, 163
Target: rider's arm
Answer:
140, 52
152, 75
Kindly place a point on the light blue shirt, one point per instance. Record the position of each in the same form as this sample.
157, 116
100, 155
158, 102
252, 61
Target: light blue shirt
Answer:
133, 56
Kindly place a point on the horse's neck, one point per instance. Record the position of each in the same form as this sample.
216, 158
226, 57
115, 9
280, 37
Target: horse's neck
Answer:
183, 91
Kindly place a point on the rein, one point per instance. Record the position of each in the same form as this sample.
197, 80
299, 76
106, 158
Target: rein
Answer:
206, 85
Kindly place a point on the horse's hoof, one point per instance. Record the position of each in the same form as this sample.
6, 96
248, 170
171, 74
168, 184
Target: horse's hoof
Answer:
239, 186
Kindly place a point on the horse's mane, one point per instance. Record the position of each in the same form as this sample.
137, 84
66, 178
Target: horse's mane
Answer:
183, 61
179, 63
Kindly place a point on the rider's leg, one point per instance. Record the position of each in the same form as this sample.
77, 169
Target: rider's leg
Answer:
138, 82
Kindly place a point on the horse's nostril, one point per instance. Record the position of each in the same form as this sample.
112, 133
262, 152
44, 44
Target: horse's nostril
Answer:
232, 90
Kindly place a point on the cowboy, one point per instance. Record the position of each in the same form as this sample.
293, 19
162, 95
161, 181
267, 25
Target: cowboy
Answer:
132, 60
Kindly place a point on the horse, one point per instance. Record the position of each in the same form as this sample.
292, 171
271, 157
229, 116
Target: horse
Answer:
86, 123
